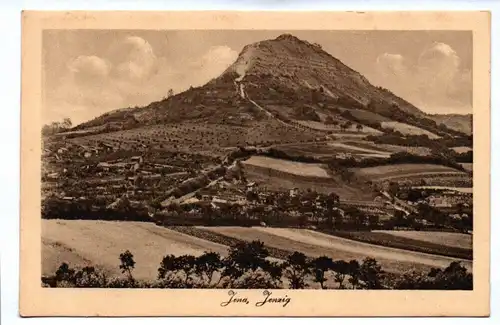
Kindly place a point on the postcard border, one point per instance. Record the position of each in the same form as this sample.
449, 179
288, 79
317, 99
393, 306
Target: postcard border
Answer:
38, 301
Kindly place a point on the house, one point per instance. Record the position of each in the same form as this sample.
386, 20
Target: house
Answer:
294, 192
87, 154
137, 159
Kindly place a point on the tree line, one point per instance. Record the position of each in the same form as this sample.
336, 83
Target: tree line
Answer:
247, 266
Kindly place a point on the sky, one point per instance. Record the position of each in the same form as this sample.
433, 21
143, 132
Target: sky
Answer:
89, 72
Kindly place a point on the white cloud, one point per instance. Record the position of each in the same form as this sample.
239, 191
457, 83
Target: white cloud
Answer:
392, 64
435, 81
212, 64
129, 75
133, 58
88, 69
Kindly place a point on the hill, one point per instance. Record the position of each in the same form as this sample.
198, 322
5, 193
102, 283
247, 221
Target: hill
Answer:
284, 80
459, 122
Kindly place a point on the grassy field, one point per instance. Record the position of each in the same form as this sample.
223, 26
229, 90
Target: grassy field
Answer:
421, 151
292, 167
467, 166
200, 137
458, 189
408, 129
274, 179
406, 170
449, 239
325, 127
406, 243
315, 244
359, 149
100, 243
364, 115
461, 149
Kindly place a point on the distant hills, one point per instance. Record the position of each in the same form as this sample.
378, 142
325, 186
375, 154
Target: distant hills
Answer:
459, 122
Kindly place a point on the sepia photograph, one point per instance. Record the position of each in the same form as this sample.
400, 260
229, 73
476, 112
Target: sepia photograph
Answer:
275, 159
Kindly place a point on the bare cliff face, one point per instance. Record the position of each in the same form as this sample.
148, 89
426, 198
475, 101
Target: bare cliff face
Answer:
285, 73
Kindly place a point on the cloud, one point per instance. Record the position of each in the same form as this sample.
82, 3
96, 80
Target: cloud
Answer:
88, 68
133, 58
129, 74
212, 63
391, 64
434, 82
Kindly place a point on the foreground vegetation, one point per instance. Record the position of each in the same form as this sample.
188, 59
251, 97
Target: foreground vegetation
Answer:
247, 266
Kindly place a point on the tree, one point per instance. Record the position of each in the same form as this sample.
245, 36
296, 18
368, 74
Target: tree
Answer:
348, 124
341, 269
370, 273
170, 93
296, 270
319, 267
454, 277
353, 271
244, 257
67, 123
187, 264
127, 264
329, 120
359, 127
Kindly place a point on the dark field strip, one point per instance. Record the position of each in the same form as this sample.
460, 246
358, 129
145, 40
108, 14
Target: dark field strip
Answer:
388, 240
225, 240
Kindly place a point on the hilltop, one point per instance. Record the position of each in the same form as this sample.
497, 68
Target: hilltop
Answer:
285, 81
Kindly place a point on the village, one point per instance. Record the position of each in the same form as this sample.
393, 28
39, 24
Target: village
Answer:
178, 188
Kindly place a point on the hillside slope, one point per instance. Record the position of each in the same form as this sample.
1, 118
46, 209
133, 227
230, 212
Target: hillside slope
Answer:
459, 122
284, 78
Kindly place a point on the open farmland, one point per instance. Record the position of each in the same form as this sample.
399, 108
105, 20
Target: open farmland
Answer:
461, 149
359, 149
325, 127
329, 149
467, 166
200, 137
406, 243
420, 151
315, 244
277, 180
365, 115
400, 171
100, 243
451, 239
291, 167
408, 129
458, 189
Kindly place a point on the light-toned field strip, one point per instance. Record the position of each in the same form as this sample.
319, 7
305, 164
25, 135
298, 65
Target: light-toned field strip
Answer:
408, 129
461, 149
316, 244
458, 189
100, 243
422, 174
467, 166
404, 168
292, 167
356, 148
443, 238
